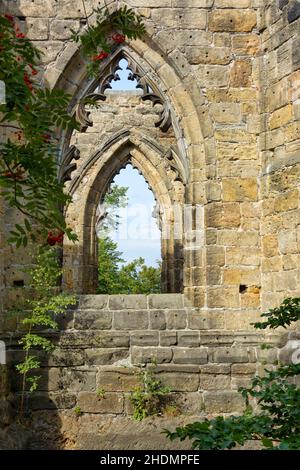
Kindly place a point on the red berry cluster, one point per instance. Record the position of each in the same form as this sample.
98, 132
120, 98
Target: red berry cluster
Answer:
33, 71
27, 81
100, 56
9, 18
54, 239
18, 134
118, 38
18, 175
46, 137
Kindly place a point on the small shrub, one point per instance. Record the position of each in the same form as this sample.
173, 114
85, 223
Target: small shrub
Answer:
148, 398
277, 423
100, 393
78, 411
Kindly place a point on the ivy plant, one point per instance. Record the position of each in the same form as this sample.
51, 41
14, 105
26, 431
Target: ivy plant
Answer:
277, 423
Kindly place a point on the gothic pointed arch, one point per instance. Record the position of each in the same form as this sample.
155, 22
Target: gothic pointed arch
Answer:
89, 189
171, 80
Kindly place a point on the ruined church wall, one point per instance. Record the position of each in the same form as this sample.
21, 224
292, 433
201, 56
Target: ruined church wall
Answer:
280, 150
230, 71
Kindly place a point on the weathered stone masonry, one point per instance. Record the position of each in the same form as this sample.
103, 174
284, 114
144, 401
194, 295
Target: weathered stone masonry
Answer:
227, 73
101, 343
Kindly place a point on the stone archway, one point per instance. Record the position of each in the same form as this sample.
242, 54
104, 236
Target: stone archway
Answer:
89, 189
190, 120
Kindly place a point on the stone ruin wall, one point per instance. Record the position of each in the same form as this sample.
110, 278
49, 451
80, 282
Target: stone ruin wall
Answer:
240, 67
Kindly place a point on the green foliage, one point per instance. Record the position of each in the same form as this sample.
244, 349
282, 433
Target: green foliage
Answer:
284, 315
148, 398
114, 276
32, 115
277, 423
78, 410
131, 278
108, 266
100, 393
28, 160
114, 199
45, 303
97, 37
137, 278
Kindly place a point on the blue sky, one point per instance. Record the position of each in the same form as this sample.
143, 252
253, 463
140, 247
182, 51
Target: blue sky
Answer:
138, 233
123, 83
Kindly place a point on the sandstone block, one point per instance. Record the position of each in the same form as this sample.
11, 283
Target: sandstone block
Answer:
281, 117
237, 382
215, 255
71, 9
170, 18
243, 369
223, 369
223, 297
144, 338
232, 20
162, 301
223, 402
117, 379
240, 257
190, 355
176, 320
213, 75
240, 74
225, 215
131, 320
232, 4
61, 29
105, 356
214, 382
287, 201
87, 339
113, 339
168, 338
226, 113
270, 245
93, 301
205, 320
181, 378
37, 28
141, 355
287, 242
157, 320
208, 55
51, 400
234, 355
91, 403
93, 319
119, 302
245, 276
188, 338
240, 189
246, 44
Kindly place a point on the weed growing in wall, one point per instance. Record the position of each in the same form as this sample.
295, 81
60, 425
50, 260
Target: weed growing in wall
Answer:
148, 399
45, 304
